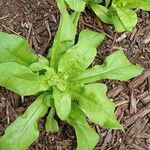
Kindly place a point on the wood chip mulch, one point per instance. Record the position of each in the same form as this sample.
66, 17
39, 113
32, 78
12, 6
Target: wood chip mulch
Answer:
37, 21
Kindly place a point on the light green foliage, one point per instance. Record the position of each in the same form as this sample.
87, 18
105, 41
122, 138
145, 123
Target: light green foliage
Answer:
64, 83
77, 5
116, 12
112, 68
62, 101
86, 137
107, 2
123, 19
65, 35
15, 49
24, 131
120, 13
102, 12
95, 104
21, 79
51, 123
131, 4
83, 54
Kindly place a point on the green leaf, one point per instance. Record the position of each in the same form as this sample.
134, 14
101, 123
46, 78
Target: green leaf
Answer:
62, 101
131, 4
119, 2
95, 104
65, 35
115, 66
107, 3
48, 100
123, 19
15, 49
41, 64
77, 5
86, 137
92, 1
80, 56
21, 79
51, 124
24, 130
145, 4
102, 12
97, 92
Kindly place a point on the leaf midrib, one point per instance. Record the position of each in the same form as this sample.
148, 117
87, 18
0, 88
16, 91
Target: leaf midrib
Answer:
90, 101
103, 72
18, 58
80, 128
30, 120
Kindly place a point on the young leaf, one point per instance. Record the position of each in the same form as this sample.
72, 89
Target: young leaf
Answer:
62, 101
107, 3
119, 3
65, 35
115, 66
102, 12
21, 79
15, 49
145, 5
123, 19
79, 57
95, 104
86, 137
51, 124
41, 64
24, 131
77, 5
131, 4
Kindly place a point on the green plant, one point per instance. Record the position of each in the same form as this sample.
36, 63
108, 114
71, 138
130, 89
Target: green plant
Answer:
116, 12
62, 83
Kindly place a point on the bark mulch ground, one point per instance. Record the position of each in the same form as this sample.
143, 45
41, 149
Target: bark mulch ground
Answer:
37, 21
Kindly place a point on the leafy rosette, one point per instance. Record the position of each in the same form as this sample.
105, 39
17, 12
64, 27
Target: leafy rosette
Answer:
120, 13
63, 82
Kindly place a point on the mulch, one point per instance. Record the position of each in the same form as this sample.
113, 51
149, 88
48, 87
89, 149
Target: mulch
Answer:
37, 21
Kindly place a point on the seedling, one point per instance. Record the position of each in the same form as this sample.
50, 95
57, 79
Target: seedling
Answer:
117, 12
62, 82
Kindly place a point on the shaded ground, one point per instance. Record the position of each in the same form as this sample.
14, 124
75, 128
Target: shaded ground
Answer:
37, 21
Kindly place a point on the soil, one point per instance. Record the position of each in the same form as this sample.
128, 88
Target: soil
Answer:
37, 21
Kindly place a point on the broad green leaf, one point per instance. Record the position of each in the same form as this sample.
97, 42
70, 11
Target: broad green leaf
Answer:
95, 104
102, 12
86, 137
51, 124
77, 5
20, 79
115, 66
15, 49
62, 101
80, 56
65, 35
97, 92
131, 4
24, 130
123, 19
